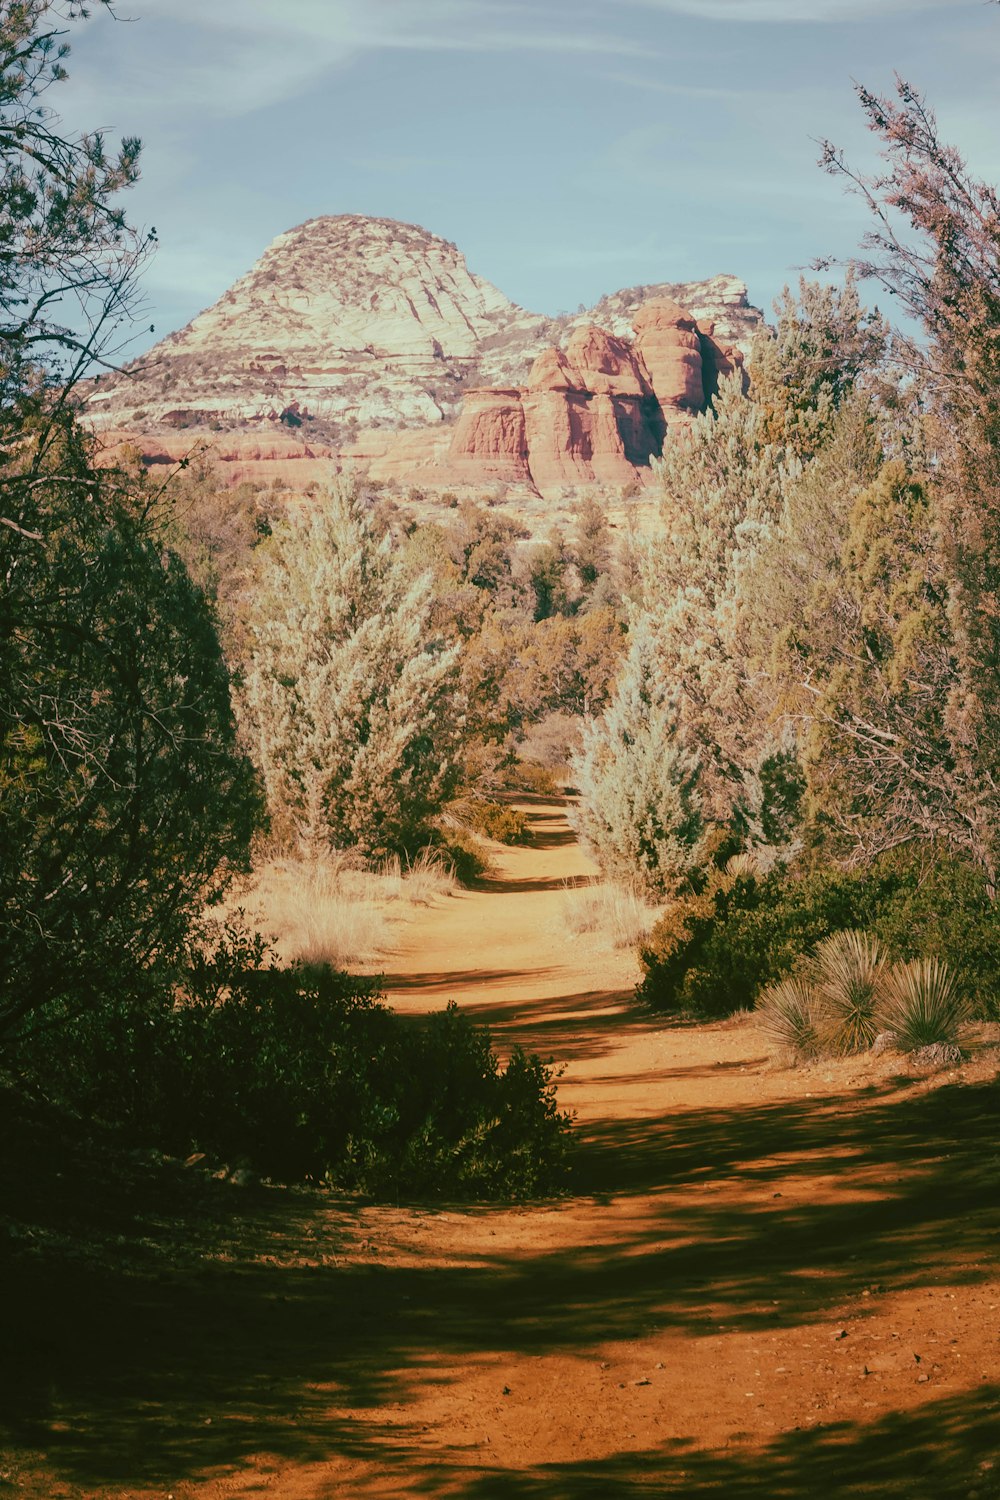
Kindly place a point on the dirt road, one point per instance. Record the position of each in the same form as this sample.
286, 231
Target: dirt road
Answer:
765, 1281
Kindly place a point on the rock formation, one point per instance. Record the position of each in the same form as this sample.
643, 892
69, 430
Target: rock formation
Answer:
350, 323
596, 412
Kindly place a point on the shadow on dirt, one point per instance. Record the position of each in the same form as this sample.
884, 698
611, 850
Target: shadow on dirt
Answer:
267, 1313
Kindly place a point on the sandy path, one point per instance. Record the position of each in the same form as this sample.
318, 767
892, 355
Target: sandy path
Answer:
765, 1282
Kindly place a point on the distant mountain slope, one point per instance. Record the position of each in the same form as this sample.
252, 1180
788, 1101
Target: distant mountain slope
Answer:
352, 322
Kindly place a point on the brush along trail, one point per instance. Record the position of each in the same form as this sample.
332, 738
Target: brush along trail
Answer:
764, 1281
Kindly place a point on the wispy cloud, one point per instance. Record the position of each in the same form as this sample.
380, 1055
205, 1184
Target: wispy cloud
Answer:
791, 10
271, 54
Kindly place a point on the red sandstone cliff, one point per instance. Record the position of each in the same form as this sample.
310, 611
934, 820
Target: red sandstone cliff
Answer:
596, 413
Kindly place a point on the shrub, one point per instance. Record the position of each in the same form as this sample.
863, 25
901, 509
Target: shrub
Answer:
302, 1074
505, 825
921, 1004
526, 776
712, 953
349, 695
845, 973
462, 853
787, 1016
620, 914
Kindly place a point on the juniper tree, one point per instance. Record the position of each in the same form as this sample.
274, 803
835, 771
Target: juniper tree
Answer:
124, 799
721, 485
349, 695
640, 812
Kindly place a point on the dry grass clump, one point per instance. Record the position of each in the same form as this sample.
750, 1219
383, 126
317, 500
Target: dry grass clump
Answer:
619, 914
336, 911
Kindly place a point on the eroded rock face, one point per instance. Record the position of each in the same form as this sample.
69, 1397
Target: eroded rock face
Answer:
596, 412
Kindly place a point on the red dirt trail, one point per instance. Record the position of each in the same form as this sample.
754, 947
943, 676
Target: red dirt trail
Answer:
765, 1281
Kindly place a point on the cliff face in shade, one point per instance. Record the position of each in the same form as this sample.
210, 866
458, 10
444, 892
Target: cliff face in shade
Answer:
596, 412
352, 323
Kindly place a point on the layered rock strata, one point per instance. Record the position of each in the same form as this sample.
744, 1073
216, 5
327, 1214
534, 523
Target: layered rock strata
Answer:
596, 412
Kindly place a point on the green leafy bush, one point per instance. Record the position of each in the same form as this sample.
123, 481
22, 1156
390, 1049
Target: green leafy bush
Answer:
302, 1074
495, 821
711, 954
462, 852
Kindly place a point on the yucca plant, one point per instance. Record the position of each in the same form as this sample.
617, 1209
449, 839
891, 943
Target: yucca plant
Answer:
743, 866
786, 1014
846, 971
921, 1004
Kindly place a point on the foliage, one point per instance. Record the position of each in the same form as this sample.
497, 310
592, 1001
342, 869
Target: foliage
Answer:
877, 651
301, 1073
349, 697
639, 812
936, 247
124, 799
516, 672
67, 257
495, 820
462, 853
846, 972
712, 953
824, 344
922, 1005
683, 742
787, 1015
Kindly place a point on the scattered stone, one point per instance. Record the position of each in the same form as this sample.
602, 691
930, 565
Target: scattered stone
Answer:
886, 1041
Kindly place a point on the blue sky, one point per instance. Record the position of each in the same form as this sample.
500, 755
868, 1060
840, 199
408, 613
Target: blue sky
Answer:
569, 147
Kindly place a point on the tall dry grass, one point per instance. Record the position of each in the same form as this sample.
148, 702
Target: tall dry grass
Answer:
335, 910
610, 911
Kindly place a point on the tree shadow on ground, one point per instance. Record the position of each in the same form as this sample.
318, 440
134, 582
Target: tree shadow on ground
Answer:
945, 1448
266, 1310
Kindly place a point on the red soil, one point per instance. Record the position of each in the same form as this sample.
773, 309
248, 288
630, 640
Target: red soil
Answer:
765, 1281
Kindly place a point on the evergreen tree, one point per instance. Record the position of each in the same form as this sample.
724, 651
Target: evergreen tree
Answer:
350, 698
639, 812
823, 345
125, 802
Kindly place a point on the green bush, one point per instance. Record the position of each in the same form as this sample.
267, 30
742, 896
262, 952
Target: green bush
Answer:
505, 825
302, 1074
712, 953
463, 853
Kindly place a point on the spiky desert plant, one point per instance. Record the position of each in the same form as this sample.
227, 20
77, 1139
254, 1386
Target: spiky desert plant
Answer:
845, 971
921, 1003
787, 1015
743, 866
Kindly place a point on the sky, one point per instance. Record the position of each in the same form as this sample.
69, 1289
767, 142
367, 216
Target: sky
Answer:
568, 147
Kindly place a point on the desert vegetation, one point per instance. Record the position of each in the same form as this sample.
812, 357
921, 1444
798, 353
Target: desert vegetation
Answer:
252, 741
197, 691
809, 675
